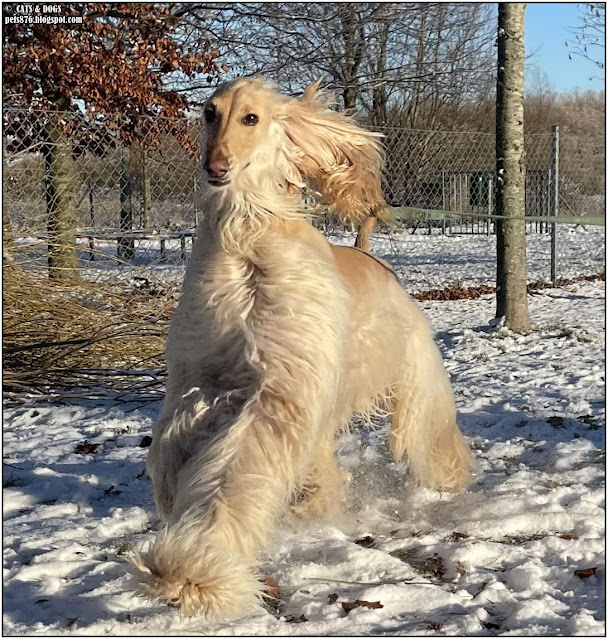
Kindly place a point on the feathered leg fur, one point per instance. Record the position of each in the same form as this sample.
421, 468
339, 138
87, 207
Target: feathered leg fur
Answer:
225, 469
423, 423
325, 486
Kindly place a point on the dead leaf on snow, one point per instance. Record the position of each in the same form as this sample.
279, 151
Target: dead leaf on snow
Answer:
86, 448
435, 566
272, 587
585, 572
359, 603
433, 625
456, 536
568, 536
366, 542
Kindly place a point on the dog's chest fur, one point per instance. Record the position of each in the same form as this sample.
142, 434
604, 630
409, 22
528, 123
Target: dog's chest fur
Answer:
237, 307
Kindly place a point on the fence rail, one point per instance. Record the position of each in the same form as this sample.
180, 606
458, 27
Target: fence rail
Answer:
136, 206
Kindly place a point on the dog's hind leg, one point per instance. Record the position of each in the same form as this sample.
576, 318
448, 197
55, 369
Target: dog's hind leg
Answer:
424, 414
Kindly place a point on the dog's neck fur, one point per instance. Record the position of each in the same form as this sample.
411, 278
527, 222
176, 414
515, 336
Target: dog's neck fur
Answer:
238, 216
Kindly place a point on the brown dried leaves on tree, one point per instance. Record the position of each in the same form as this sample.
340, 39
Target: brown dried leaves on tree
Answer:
116, 62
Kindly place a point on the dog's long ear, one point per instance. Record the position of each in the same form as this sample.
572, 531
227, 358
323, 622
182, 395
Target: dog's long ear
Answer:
343, 159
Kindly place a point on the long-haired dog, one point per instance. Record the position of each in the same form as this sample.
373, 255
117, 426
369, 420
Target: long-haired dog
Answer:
278, 338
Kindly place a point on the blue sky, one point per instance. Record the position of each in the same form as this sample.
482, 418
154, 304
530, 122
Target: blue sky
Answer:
546, 31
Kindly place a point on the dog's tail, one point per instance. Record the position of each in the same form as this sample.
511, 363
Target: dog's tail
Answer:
424, 415
367, 226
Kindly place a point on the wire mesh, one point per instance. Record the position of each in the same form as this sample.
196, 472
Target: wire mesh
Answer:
582, 181
135, 206
454, 172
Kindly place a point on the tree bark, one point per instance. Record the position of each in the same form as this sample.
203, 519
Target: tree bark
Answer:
379, 94
7, 227
354, 46
126, 245
511, 279
60, 204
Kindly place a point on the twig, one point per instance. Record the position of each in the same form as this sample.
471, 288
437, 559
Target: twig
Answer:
371, 583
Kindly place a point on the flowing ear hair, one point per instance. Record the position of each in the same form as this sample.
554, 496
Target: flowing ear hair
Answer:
343, 159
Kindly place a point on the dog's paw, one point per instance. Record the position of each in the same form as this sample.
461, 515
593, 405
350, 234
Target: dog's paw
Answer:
321, 501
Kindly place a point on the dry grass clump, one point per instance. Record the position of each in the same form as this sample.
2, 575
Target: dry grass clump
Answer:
87, 339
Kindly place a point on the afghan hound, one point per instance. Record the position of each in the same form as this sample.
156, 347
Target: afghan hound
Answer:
278, 339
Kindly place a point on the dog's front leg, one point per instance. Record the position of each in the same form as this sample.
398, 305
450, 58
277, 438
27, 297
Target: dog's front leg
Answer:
181, 416
230, 493
228, 498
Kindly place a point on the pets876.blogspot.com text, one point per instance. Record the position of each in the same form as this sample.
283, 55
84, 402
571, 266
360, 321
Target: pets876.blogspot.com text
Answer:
26, 14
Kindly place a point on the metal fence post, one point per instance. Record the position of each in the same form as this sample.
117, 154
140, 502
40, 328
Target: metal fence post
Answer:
554, 198
548, 198
195, 198
92, 216
490, 204
146, 221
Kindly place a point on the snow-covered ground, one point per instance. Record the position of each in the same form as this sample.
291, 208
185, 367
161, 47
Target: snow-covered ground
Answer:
502, 559
438, 261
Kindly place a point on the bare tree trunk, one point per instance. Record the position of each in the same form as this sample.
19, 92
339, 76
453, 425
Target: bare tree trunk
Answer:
354, 46
126, 245
511, 280
379, 94
7, 227
417, 90
60, 204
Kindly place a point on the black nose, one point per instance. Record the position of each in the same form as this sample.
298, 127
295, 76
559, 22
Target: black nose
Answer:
217, 167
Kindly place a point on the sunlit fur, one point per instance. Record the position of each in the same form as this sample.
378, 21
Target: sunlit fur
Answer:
278, 338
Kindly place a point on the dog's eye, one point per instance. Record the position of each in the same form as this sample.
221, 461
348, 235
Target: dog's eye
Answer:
250, 119
209, 114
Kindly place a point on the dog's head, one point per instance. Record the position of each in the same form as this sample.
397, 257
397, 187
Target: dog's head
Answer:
259, 140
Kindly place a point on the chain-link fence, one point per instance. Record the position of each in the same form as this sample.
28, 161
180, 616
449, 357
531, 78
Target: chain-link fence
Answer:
455, 172
134, 207
130, 204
